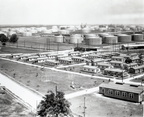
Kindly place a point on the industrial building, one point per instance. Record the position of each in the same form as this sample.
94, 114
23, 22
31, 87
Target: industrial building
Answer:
59, 39
122, 91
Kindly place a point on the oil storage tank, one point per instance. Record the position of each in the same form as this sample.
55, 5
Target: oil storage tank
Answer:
110, 39
137, 37
124, 38
92, 39
76, 38
59, 39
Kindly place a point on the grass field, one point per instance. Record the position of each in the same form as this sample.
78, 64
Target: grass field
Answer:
98, 106
9, 107
43, 80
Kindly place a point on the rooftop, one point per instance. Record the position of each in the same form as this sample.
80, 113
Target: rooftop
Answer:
122, 87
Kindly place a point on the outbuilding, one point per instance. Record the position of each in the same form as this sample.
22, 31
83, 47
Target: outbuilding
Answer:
122, 91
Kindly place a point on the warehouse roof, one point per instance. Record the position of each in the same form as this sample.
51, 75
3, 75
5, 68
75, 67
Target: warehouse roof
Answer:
122, 87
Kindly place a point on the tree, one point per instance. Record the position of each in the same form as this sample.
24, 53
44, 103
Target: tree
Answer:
13, 38
54, 105
128, 60
3, 39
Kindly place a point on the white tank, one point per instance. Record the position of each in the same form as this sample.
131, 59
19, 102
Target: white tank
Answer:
86, 30
137, 37
124, 38
59, 39
110, 39
77, 38
11, 33
93, 41
27, 34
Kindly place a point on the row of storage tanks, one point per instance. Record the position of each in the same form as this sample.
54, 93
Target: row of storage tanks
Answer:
103, 38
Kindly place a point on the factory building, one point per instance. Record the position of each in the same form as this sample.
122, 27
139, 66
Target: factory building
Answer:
122, 91
137, 37
124, 38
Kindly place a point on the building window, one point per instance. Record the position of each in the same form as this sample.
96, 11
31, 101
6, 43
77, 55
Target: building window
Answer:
110, 92
124, 94
117, 93
131, 95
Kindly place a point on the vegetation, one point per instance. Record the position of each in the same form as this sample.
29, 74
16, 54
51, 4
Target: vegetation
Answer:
54, 105
3, 39
14, 38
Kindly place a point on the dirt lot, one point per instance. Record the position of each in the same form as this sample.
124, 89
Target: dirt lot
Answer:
98, 106
44, 79
9, 107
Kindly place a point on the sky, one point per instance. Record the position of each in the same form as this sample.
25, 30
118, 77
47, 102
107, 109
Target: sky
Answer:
71, 12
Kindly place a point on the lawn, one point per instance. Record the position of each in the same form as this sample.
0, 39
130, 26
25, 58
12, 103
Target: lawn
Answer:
43, 80
9, 107
98, 106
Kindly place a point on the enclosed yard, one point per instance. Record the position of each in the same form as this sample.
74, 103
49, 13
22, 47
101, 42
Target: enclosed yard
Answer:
99, 106
43, 80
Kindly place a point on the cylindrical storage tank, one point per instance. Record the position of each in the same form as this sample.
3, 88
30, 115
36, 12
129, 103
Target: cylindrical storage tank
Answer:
59, 39
76, 38
27, 34
137, 37
110, 39
124, 38
93, 41
86, 30
11, 32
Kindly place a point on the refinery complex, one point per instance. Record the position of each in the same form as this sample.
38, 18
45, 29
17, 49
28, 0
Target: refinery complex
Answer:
100, 68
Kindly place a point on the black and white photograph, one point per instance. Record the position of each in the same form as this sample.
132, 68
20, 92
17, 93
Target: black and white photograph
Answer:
71, 58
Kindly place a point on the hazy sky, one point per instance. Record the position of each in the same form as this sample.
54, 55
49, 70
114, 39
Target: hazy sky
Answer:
71, 11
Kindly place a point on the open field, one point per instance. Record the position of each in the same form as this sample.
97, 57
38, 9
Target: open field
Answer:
9, 107
43, 80
11, 50
99, 106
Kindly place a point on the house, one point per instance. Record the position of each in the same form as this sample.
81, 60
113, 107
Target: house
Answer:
66, 61
104, 65
51, 63
137, 69
90, 69
115, 72
95, 61
122, 91
117, 64
79, 59
118, 58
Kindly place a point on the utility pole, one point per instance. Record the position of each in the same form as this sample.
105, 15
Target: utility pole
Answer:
84, 108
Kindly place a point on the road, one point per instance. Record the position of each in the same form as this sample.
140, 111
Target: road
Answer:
25, 94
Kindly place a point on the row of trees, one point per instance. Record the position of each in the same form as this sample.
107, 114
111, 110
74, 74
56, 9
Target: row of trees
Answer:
4, 39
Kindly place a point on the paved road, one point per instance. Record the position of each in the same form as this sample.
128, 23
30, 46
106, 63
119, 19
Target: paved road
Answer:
28, 96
